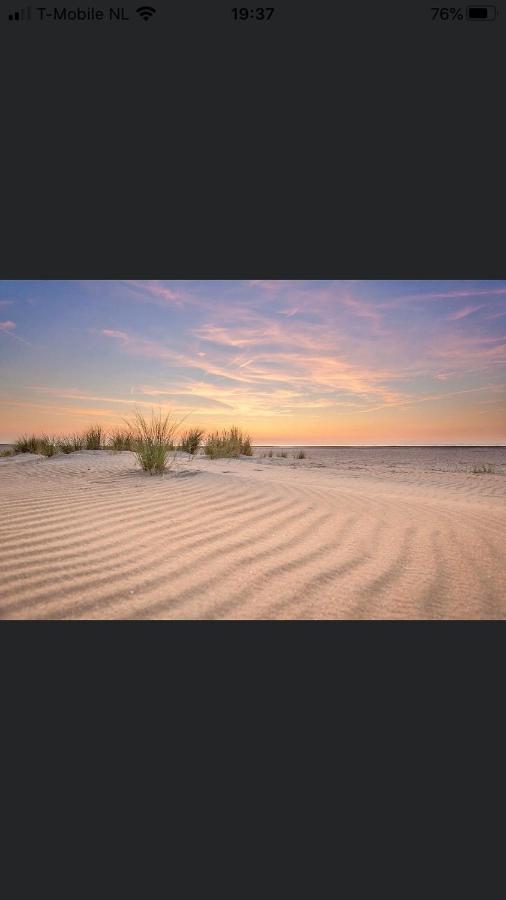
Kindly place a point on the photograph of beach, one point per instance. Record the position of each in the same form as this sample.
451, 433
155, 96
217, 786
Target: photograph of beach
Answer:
259, 449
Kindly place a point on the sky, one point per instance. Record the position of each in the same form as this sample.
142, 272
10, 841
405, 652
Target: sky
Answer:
290, 362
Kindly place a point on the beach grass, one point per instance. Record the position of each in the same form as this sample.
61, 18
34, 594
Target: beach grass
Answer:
299, 455
27, 444
47, 446
154, 439
65, 445
92, 438
151, 439
191, 441
43, 444
228, 443
485, 469
121, 439
8, 452
77, 442
246, 448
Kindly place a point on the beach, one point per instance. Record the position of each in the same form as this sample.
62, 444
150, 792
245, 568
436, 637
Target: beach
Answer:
344, 533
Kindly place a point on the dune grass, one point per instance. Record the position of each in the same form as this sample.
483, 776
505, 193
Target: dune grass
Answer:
154, 439
486, 469
246, 448
92, 437
7, 452
27, 444
228, 443
47, 445
191, 441
121, 439
67, 444
282, 455
151, 439
299, 454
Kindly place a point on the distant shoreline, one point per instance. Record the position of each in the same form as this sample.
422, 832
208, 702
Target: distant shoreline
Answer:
379, 446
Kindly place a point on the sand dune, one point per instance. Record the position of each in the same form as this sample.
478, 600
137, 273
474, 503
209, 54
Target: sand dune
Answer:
90, 536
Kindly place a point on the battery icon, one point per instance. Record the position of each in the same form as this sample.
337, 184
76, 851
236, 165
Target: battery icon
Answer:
481, 13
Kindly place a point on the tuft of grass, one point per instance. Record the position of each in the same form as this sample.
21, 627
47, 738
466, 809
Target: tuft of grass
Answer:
191, 441
121, 440
70, 443
484, 470
228, 443
92, 438
48, 446
299, 455
270, 454
77, 442
7, 453
246, 448
283, 454
153, 440
65, 444
27, 444
45, 445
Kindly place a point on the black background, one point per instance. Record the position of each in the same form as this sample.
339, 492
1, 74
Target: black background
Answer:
336, 140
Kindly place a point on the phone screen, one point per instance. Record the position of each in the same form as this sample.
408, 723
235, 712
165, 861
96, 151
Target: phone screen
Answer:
253, 311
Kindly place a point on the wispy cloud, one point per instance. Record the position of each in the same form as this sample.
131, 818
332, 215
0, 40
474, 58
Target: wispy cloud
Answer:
456, 294
464, 312
157, 292
8, 327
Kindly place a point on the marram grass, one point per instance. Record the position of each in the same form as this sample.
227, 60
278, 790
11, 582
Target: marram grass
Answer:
121, 440
191, 441
92, 437
228, 443
27, 444
154, 440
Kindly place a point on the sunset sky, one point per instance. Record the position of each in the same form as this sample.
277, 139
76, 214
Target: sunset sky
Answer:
292, 362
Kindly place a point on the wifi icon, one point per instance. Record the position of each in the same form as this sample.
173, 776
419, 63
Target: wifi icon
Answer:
145, 12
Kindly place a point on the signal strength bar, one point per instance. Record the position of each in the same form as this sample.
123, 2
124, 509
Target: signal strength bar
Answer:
21, 15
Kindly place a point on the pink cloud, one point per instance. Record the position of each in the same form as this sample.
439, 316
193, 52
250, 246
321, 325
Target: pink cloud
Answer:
497, 315
473, 352
450, 295
465, 311
121, 335
8, 328
155, 292
444, 376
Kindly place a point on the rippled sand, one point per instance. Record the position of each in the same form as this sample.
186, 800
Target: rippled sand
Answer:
354, 533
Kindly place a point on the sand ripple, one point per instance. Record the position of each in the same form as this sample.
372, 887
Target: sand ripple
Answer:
90, 536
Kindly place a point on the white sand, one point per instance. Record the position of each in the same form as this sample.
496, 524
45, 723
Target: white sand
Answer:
357, 534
